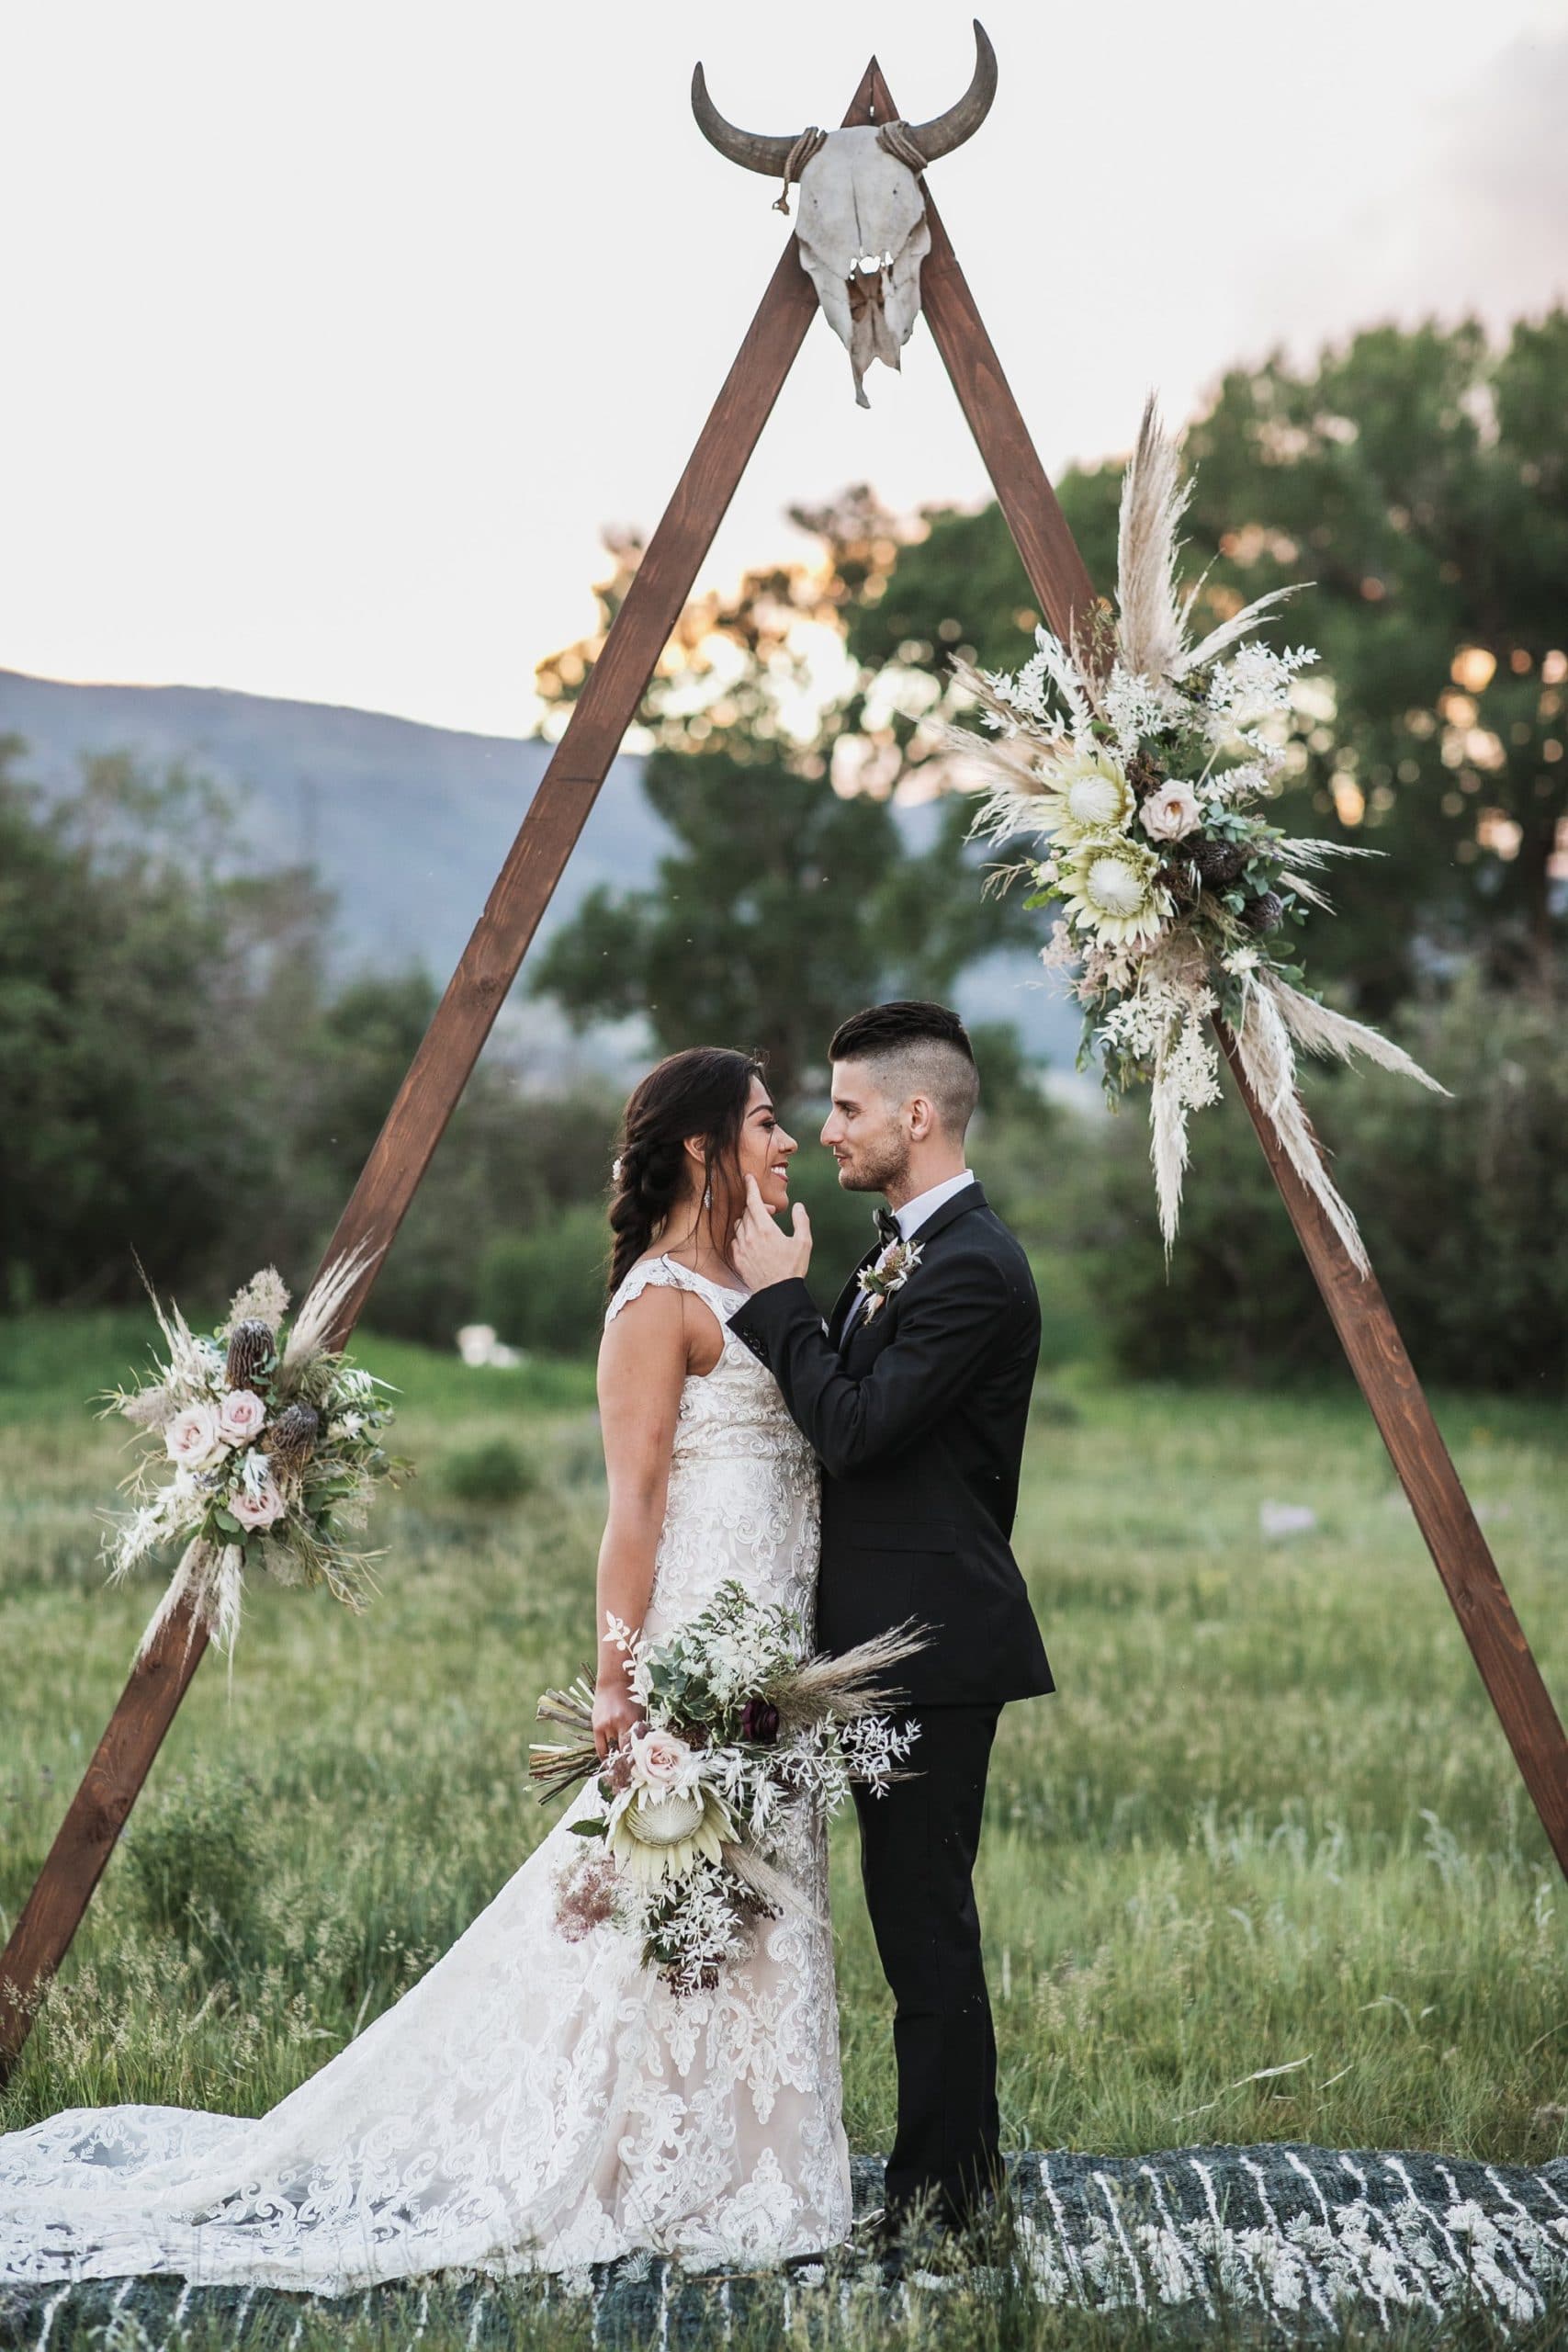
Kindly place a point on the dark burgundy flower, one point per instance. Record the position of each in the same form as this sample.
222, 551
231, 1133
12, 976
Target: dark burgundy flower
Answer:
759, 1723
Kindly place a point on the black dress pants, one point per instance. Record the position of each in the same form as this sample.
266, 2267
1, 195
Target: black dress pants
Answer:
917, 1848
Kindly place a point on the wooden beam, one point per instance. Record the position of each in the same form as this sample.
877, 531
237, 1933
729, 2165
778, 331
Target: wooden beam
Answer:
444, 1063
1361, 1314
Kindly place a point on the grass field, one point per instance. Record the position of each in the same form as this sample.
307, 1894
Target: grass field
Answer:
1268, 1821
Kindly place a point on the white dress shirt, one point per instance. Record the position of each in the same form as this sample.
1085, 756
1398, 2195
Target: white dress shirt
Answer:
913, 1214
910, 1218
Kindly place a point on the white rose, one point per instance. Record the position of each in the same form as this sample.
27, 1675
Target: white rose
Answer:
193, 1440
241, 1416
1171, 813
659, 1759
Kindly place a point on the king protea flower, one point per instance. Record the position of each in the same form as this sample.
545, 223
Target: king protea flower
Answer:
1086, 791
656, 1837
1110, 885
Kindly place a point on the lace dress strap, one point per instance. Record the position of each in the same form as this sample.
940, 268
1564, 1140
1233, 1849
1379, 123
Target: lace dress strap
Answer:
667, 1274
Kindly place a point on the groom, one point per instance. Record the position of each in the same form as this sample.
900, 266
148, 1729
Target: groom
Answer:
916, 1398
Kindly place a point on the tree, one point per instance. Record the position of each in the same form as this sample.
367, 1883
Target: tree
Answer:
182, 1082
784, 908
792, 894
144, 995
1418, 480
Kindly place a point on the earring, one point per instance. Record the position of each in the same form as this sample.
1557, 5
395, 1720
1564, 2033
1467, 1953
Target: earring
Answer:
707, 1196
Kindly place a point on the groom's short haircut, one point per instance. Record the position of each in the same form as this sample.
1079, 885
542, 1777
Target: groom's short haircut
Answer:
915, 1048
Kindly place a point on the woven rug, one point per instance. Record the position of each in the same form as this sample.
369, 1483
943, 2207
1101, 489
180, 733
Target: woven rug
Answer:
1294, 2239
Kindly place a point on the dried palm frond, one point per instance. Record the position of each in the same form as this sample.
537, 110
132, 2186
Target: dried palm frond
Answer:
1168, 1149
1153, 499
318, 1310
1264, 1049
851, 1685
1322, 1030
264, 1299
1239, 625
771, 1888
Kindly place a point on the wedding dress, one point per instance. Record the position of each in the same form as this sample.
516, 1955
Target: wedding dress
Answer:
533, 2103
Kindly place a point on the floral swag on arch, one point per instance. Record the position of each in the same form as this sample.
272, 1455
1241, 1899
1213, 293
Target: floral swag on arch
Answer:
262, 1450
1137, 764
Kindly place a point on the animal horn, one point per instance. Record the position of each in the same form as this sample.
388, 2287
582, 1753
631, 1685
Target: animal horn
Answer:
946, 132
747, 148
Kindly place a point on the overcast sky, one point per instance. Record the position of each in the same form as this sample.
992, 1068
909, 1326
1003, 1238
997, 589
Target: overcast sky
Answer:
334, 331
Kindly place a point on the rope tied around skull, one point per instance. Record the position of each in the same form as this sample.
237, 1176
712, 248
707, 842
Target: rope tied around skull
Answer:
799, 155
897, 140
894, 137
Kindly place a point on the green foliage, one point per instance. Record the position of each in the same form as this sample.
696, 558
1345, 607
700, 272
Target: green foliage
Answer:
144, 995
784, 908
194, 1858
493, 1473
545, 1289
1463, 1205
180, 1083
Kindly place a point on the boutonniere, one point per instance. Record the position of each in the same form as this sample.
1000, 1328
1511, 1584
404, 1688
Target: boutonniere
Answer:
877, 1283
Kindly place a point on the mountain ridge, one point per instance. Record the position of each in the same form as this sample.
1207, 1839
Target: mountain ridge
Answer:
408, 823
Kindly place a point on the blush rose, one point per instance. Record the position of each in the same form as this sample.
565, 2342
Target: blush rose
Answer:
1171, 813
659, 1759
192, 1438
258, 1510
241, 1416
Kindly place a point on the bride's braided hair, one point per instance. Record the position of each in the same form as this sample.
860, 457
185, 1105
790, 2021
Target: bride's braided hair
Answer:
703, 1091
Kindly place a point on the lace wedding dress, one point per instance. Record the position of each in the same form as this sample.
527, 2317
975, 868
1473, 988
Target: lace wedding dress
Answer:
531, 2103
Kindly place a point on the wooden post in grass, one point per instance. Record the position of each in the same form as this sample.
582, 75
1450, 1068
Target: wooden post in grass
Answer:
441, 1068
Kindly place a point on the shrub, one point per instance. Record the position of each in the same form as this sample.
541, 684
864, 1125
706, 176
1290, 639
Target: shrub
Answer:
195, 1858
545, 1289
494, 1473
1463, 1205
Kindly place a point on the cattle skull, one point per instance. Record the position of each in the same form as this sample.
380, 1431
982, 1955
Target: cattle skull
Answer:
863, 231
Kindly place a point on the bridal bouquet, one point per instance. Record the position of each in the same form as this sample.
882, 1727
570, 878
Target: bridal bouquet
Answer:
262, 1450
683, 1849
1139, 775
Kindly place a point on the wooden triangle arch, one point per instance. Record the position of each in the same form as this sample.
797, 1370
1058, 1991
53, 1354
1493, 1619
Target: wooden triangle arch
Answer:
440, 1070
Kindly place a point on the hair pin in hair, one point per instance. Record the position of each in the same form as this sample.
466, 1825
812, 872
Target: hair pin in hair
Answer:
614, 1171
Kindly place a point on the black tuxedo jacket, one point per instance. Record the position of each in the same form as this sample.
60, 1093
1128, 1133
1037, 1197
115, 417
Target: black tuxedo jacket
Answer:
918, 1423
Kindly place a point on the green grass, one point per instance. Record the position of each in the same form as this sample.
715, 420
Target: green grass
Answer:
1270, 1820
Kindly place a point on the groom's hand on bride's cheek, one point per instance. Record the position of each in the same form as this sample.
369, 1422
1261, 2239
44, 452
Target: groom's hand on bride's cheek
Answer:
762, 1253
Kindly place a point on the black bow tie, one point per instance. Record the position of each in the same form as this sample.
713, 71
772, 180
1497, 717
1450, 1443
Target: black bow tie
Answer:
888, 1224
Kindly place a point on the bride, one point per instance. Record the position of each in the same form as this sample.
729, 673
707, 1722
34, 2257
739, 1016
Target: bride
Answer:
539, 2100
